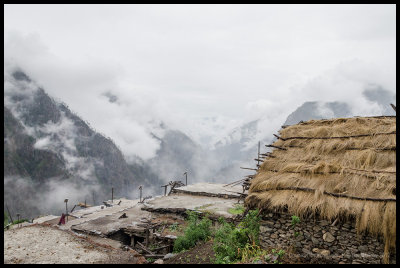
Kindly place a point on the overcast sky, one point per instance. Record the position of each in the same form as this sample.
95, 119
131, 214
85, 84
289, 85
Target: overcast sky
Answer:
181, 63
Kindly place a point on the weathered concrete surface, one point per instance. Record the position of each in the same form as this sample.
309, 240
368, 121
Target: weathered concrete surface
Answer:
103, 222
96, 212
212, 188
108, 224
106, 221
215, 205
45, 219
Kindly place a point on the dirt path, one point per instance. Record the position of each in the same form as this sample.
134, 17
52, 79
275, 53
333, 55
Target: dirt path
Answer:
45, 244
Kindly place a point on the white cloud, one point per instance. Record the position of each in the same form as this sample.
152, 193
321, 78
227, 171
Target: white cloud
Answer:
180, 64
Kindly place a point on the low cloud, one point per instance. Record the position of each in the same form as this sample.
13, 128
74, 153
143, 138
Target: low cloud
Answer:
22, 196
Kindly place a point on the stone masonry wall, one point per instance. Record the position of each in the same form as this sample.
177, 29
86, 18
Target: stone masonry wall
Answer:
318, 241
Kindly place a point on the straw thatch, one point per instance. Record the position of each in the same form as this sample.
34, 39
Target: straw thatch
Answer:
341, 168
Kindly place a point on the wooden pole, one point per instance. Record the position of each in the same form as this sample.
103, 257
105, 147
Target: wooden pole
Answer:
74, 208
258, 154
147, 237
66, 208
185, 177
140, 197
9, 213
165, 189
112, 194
394, 107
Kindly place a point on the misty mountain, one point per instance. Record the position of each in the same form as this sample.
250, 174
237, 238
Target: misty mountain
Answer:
234, 147
318, 110
177, 154
377, 94
51, 151
326, 110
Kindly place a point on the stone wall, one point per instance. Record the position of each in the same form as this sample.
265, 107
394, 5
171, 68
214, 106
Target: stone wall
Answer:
320, 241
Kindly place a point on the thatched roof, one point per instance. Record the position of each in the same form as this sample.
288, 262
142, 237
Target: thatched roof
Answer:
341, 168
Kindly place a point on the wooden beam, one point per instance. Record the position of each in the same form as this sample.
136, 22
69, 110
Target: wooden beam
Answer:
144, 248
157, 249
233, 182
242, 194
248, 168
329, 193
339, 137
269, 156
277, 147
279, 138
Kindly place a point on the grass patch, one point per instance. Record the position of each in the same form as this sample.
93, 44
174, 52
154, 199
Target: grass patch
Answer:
238, 209
204, 209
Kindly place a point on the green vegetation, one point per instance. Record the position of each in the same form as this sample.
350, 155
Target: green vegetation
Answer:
19, 221
295, 220
151, 260
231, 242
7, 220
252, 253
175, 227
197, 230
239, 209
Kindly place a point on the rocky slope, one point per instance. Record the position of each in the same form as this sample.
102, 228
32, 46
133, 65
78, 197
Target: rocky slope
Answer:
49, 151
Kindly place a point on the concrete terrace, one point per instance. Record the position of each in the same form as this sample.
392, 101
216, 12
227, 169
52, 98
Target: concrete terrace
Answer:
105, 221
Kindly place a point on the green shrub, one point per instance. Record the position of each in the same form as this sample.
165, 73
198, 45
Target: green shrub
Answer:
230, 241
226, 243
251, 223
197, 230
295, 220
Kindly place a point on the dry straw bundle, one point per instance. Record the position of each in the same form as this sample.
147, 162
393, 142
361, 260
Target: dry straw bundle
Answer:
342, 168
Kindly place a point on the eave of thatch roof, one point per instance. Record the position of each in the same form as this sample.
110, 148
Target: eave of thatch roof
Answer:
344, 168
